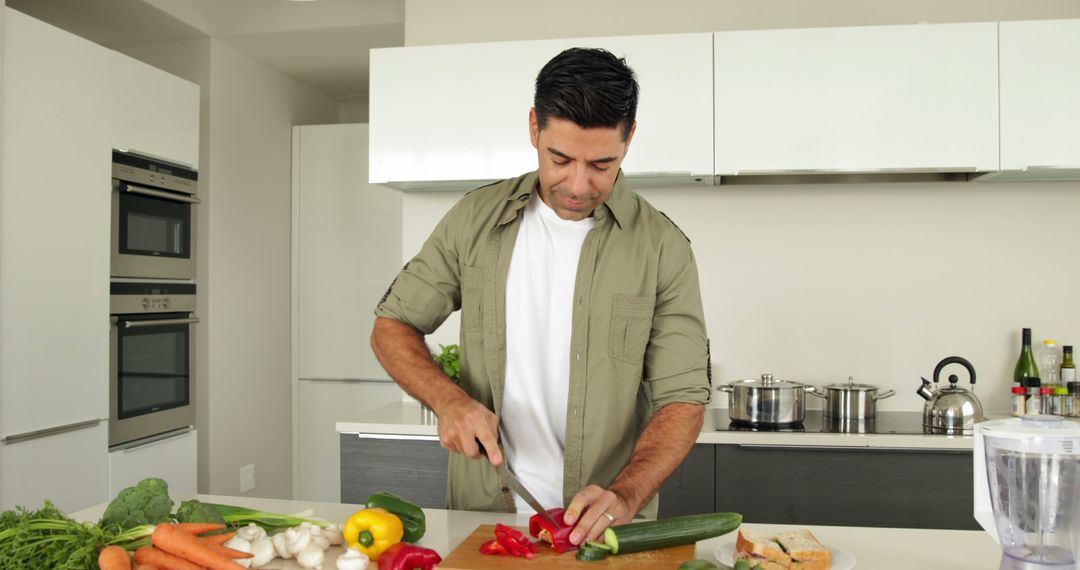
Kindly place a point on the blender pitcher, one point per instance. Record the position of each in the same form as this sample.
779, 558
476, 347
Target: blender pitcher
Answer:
1027, 490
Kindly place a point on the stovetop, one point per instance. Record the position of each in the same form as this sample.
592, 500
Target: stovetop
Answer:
903, 423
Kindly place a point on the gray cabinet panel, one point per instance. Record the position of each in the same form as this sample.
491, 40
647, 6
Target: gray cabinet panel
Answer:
691, 489
846, 487
416, 470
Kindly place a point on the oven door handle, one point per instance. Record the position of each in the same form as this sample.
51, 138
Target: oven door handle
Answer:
160, 194
157, 322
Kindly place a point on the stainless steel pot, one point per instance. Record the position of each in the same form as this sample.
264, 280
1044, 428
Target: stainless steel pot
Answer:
851, 401
767, 402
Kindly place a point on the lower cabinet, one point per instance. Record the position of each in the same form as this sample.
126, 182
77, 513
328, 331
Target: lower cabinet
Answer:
413, 468
174, 459
71, 469
875, 487
691, 489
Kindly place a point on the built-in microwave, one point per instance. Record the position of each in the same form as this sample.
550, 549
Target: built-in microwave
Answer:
153, 217
152, 360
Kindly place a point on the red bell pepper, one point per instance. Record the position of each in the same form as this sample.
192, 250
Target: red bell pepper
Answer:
514, 541
558, 536
405, 556
493, 547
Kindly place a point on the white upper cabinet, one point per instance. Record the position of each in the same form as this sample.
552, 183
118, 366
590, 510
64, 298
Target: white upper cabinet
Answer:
1040, 100
154, 112
861, 99
459, 113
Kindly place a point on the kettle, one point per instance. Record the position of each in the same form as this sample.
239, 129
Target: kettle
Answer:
951, 410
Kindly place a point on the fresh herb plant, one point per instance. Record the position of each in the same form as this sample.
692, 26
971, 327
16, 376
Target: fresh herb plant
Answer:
450, 360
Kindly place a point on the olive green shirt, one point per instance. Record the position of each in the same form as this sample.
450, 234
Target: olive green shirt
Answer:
638, 337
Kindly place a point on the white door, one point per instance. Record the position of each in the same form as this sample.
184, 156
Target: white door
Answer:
859, 99
1040, 100
154, 112
71, 469
173, 459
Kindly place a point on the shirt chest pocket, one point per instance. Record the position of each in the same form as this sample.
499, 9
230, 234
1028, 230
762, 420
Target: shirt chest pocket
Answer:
472, 279
631, 325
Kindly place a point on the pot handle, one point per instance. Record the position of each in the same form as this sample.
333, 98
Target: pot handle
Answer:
813, 391
884, 395
726, 388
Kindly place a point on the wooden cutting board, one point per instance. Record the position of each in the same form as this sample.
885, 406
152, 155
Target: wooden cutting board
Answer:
467, 556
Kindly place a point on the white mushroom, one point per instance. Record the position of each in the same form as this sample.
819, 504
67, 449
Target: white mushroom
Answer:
263, 549
353, 559
297, 539
333, 532
281, 546
315, 529
251, 533
240, 545
321, 541
310, 557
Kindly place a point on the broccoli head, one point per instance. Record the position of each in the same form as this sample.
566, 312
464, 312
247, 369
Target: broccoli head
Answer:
147, 502
195, 511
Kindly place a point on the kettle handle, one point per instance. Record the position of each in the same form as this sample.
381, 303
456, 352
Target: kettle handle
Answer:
954, 360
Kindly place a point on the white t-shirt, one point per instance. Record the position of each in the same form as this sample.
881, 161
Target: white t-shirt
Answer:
539, 313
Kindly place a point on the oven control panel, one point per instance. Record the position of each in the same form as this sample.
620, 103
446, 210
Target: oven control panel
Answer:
155, 304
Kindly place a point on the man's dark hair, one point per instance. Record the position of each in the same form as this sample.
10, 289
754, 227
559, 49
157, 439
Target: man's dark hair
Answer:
588, 87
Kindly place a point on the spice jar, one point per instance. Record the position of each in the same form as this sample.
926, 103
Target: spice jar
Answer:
1074, 397
1033, 406
1047, 397
1019, 399
1061, 396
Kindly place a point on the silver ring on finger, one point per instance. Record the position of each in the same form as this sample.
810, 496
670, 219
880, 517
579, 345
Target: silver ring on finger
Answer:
610, 517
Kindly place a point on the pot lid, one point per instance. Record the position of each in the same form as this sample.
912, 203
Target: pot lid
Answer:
767, 381
850, 385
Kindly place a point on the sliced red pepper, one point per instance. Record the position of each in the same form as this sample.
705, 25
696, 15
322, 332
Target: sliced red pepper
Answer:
514, 541
558, 536
493, 547
405, 556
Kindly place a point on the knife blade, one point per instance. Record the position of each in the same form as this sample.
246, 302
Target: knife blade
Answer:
507, 475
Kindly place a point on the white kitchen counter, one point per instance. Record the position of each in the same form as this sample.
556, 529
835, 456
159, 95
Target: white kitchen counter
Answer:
410, 420
873, 548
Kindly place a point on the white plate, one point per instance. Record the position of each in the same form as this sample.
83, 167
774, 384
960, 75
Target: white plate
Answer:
841, 559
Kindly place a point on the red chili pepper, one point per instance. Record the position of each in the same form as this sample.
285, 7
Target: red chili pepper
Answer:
405, 556
558, 536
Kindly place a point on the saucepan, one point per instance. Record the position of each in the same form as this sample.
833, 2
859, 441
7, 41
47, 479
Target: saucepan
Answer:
851, 401
766, 401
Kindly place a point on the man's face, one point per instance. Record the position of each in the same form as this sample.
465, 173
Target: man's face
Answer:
578, 166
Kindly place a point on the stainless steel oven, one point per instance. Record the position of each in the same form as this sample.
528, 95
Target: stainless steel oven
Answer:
153, 217
152, 359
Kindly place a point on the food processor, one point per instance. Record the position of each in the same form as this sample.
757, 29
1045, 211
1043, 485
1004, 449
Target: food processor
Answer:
1027, 490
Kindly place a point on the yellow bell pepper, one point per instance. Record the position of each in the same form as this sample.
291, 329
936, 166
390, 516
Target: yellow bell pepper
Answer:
372, 531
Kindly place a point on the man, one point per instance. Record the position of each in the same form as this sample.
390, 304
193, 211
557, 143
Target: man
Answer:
583, 344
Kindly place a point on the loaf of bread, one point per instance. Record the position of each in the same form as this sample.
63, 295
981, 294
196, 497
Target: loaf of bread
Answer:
795, 549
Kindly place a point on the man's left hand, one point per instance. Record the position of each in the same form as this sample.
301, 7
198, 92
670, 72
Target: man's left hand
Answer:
594, 509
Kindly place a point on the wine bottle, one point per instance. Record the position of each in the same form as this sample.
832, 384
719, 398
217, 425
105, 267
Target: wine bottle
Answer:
1068, 369
1025, 365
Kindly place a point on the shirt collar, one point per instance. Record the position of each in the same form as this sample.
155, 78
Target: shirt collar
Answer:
617, 205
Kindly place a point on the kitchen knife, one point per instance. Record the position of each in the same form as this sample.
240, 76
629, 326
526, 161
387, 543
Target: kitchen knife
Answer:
515, 484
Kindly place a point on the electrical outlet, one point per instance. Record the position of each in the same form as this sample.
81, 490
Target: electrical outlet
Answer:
247, 477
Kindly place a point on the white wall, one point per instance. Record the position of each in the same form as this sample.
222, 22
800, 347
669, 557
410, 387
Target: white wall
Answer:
430, 22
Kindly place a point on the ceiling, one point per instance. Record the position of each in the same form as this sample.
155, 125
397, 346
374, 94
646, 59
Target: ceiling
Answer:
324, 43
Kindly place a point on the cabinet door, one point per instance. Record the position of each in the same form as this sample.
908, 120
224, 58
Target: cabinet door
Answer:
154, 112
323, 404
862, 99
1040, 98
348, 249
174, 459
460, 112
54, 230
412, 468
691, 489
70, 469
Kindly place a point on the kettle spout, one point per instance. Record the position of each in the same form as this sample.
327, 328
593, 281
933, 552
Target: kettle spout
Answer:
925, 391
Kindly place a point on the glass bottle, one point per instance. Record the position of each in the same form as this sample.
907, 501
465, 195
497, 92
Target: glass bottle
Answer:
1019, 400
1074, 395
1058, 404
1046, 397
1068, 369
1033, 406
1025, 364
1050, 363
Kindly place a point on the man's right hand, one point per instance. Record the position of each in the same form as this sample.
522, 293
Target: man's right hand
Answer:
464, 421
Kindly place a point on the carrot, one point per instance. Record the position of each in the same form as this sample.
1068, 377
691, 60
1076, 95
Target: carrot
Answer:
225, 550
114, 558
199, 528
163, 560
145, 567
172, 539
219, 538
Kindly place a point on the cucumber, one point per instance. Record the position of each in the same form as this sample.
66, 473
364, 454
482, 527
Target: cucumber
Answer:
635, 537
592, 551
